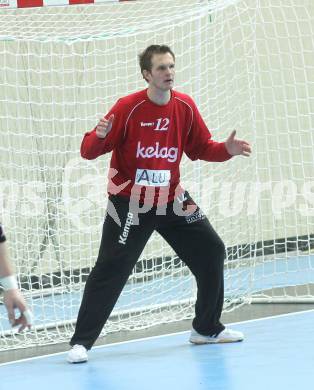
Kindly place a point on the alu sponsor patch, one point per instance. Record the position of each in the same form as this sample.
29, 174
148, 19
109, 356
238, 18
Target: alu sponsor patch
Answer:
152, 177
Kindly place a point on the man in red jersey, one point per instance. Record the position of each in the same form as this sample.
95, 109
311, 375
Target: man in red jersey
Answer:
147, 133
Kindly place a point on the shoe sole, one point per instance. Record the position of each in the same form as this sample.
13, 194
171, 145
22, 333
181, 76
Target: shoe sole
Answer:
222, 341
77, 361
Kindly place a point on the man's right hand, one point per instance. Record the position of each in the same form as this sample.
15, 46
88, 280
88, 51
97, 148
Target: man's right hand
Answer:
104, 126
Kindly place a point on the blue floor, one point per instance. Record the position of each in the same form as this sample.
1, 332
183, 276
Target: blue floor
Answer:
277, 354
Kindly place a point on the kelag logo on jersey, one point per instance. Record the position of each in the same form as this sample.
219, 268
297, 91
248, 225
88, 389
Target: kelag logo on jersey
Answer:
171, 154
152, 177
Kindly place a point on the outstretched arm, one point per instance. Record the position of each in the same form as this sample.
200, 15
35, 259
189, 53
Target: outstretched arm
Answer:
201, 146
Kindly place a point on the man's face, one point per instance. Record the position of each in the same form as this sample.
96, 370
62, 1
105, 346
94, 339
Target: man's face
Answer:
162, 73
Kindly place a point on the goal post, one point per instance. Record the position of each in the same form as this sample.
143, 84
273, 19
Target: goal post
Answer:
247, 64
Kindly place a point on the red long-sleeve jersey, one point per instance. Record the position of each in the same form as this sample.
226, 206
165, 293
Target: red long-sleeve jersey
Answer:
147, 142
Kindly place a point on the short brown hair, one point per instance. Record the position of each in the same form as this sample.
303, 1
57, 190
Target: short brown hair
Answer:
145, 58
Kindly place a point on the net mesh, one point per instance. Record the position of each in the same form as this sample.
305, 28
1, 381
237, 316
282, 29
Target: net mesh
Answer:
247, 64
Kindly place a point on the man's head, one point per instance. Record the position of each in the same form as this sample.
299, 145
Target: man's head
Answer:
157, 66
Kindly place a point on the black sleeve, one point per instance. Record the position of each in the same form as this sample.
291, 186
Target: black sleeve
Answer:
2, 236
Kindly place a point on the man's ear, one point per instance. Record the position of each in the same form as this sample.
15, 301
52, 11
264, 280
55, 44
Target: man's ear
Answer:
145, 74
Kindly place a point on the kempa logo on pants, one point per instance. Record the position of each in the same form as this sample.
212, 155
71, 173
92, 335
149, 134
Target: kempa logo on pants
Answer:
129, 221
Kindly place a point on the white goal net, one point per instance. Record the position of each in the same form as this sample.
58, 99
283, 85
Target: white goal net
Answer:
249, 65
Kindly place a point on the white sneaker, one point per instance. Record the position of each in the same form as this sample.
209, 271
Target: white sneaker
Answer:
77, 354
225, 336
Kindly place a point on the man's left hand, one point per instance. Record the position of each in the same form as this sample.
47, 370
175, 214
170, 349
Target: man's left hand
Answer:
237, 147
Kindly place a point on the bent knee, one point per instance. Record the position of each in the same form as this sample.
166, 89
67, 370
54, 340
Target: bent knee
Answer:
219, 249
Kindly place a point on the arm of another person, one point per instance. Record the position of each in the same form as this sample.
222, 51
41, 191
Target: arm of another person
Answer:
12, 297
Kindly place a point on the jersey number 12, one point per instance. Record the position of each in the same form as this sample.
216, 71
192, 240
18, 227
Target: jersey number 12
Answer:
162, 124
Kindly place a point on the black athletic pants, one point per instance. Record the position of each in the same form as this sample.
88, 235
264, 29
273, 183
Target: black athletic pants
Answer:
192, 238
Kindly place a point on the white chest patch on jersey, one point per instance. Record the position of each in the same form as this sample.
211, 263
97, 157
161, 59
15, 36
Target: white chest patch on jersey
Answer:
152, 177
170, 154
147, 124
